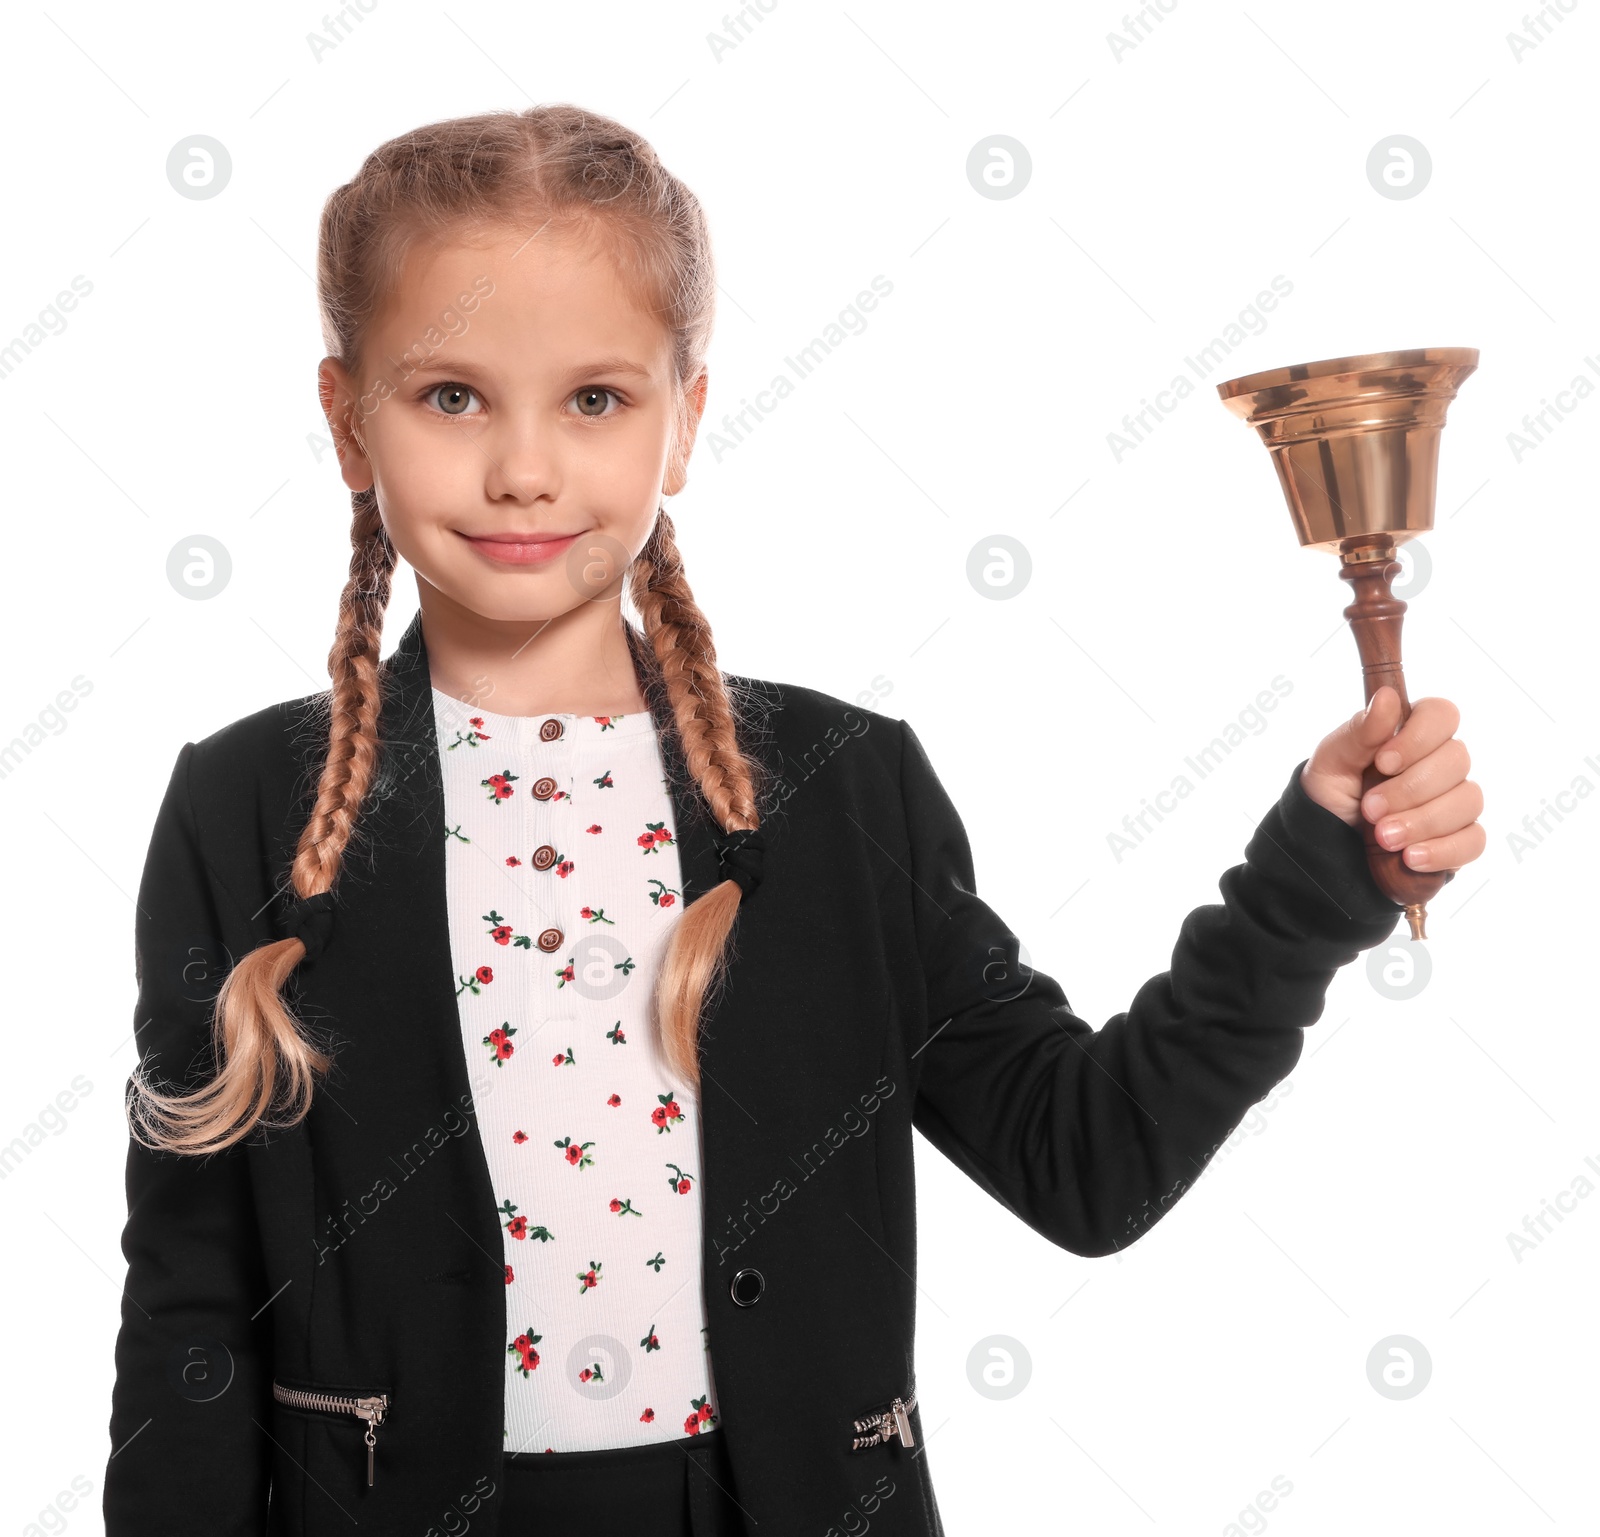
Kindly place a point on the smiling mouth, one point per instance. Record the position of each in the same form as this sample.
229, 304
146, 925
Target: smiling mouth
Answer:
520, 549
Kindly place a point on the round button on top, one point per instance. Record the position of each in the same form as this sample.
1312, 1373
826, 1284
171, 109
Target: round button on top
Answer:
543, 857
746, 1287
551, 940
550, 730
544, 788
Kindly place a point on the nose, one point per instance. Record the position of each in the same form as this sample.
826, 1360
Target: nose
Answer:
522, 456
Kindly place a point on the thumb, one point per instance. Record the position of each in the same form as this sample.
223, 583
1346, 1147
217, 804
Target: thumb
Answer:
1358, 743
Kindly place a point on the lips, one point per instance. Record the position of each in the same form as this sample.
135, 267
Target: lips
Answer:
520, 549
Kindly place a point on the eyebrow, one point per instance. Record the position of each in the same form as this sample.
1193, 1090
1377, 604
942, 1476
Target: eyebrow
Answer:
612, 365
616, 365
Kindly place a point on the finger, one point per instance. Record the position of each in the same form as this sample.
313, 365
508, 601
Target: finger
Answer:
1445, 767
1349, 749
1431, 722
1458, 807
1448, 853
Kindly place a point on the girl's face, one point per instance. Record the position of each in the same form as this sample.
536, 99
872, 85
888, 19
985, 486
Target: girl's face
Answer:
515, 410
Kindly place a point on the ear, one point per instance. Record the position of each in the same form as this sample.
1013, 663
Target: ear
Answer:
683, 443
342, 407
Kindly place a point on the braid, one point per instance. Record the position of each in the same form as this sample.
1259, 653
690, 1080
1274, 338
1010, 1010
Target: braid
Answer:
262, 1055
681, 641
680, 638
353, 704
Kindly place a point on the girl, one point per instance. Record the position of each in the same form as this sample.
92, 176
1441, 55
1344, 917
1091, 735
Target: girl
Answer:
545, 1155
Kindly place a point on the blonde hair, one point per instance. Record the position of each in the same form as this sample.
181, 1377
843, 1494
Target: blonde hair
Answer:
579, 172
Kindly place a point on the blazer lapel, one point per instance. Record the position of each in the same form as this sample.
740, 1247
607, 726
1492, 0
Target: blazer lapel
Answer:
697, 828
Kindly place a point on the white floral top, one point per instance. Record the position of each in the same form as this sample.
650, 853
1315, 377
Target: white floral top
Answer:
563, 885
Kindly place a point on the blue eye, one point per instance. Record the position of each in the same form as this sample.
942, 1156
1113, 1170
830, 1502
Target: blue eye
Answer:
452, 399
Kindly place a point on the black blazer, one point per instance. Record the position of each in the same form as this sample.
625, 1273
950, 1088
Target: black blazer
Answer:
872, 991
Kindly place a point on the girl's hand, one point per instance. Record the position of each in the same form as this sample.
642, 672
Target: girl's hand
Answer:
1430, 809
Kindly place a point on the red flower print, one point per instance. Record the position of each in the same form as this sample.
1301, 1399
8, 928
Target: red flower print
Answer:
648, 1417
577, 1154
513, 861
605, 722
501, 931
700, 1419
565, 1056
656, 836
509, 1277
499, 1043
518, 1227
625, 1208
614, 1101
589, 1278
650, 1342
678, 1182
564, 974
519, 1137
593, 827
565, 867
667, 1114
476, 982
595, 915
591, 1372
683, 1187
522, 1347
499, 785
615, 1035
475, 720
665, 896
604, 781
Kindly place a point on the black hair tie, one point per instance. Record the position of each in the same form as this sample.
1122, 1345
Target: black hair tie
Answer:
311, 922
739, 854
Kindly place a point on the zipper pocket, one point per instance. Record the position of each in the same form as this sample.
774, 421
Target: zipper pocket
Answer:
371, 1409
885, 1425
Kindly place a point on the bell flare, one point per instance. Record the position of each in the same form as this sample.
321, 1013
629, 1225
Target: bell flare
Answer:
1355, 441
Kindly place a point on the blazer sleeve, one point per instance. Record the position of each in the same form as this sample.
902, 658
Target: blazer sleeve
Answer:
193, 1354
1089, 1136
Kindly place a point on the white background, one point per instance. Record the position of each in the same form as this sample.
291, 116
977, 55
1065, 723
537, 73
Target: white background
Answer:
1168, 187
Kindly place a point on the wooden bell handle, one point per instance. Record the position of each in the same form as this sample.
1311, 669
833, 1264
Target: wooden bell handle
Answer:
1375, 618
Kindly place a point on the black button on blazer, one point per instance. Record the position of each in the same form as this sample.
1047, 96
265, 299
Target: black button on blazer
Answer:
871, 991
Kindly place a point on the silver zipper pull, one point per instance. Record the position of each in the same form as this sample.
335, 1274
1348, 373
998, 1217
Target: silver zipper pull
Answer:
371, 1410
902, 1422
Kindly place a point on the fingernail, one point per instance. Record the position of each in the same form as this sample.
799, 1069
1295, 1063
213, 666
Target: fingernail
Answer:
1389, 833
1420, 859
